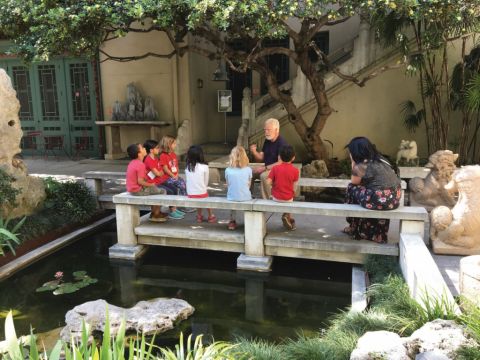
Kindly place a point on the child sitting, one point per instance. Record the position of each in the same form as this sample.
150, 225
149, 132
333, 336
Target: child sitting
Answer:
283, 178
136, 180
197, 174
156, 175
239, 177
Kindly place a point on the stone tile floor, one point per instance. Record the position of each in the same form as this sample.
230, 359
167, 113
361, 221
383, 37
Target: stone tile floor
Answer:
72, 170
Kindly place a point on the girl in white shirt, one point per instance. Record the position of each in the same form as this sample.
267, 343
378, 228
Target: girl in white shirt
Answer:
196, 175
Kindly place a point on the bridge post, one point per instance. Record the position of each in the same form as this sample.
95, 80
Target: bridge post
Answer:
416, 227
128, 217
255, 230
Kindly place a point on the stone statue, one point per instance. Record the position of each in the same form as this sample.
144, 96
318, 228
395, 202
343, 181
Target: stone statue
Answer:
118, 112
134, 103
431, 192
150, 114
457, 231
408, 151
32, 189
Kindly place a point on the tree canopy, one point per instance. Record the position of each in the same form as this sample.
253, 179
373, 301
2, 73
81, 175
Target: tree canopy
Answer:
41, 29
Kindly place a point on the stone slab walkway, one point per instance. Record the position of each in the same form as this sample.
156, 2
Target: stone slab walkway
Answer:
72, 170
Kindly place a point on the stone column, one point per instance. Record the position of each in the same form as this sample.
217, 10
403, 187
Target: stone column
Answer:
112, 138
128, 218
470, 278
255, 230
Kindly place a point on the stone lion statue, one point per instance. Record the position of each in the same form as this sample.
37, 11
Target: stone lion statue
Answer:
32, 189
431, 192
408, 151
459, 227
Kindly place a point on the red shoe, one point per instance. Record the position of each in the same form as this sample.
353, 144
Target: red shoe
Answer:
212, 219
200, 218
232, 225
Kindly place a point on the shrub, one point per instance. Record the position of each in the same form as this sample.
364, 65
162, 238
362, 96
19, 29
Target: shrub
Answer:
8, 193
379, 267
8, 235
71, 200
259, 349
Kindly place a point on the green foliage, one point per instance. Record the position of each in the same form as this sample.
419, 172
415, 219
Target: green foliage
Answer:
9, 235
379, 267
197, 351
393, 297
412, 119
71, 200
468, 353
260, 349
471, 318
59, 287
8, 193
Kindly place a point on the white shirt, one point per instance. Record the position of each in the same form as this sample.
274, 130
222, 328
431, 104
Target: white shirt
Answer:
197, 180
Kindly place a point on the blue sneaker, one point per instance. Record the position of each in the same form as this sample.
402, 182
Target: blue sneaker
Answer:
180, 212
175, 215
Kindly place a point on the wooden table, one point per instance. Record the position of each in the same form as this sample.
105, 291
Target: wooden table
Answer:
113, 130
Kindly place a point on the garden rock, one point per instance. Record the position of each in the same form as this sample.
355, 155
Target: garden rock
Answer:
148, 317
316, 169
441, 336
380, 345
32, 190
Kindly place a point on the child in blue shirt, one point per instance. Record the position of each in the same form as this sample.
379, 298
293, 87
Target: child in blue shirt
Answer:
239, 178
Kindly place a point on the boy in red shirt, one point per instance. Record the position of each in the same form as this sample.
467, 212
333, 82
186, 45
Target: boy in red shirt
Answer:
136, 180
283, 179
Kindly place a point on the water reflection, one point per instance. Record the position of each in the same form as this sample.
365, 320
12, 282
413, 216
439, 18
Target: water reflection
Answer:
297, 296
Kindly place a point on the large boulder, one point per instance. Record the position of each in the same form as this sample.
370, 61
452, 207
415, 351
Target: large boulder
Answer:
32, 190
147, 317
441, 336
380, 345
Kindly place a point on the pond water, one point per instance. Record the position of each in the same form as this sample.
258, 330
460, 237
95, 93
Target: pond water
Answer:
297, 296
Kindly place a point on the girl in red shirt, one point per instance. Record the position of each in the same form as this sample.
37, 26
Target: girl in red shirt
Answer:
169, 163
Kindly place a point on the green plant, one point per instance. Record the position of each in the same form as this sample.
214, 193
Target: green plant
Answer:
8, 193
471, 318
71, 200
9, 237
379, 267
468, 353
59, 287
259, 349
215, 351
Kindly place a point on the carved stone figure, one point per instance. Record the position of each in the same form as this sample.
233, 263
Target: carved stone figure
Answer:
431, 192
118, 112
32, 189
408, 151
134, 103
457, 231
150, 114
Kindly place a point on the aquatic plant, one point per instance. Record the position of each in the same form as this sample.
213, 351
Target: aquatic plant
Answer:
59, 287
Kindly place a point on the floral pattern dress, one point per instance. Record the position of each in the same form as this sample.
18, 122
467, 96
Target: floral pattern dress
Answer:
370, 194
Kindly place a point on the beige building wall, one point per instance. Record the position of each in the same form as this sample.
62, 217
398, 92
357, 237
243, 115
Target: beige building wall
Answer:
374, 111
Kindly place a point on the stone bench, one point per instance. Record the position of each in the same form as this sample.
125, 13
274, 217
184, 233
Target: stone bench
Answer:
254, 241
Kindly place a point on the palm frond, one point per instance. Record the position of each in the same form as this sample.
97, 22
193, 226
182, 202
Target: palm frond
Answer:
412, 118
473, 94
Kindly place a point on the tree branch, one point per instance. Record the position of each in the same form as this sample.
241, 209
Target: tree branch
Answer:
134, 58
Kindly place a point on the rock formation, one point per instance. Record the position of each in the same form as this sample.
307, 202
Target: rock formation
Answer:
431, 192
147, 317
32, 190
439, 338
457, 231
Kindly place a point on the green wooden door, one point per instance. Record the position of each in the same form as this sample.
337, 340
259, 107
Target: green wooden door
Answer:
57, 106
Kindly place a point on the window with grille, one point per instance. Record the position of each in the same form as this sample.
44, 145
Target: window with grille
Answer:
80, 91
48, 92
21, 83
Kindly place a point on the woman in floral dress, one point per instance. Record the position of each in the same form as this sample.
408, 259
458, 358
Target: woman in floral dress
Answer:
374, 185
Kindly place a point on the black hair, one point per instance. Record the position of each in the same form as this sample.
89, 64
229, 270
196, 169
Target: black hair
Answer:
150, 144
286, 153
132, 151
194, 156
362, 149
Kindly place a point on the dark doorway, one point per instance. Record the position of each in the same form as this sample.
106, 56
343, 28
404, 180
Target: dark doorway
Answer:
238, 81
277, 63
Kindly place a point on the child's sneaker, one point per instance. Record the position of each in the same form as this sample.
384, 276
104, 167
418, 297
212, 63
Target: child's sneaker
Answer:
232, 225
175, 215
200, 218
292, 221
286, 222
212, 219
179, 212
187, 210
